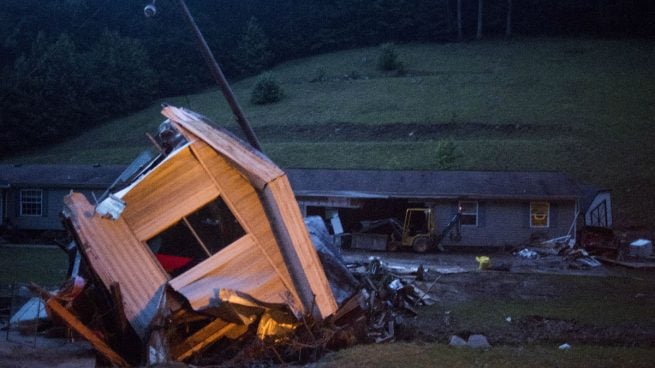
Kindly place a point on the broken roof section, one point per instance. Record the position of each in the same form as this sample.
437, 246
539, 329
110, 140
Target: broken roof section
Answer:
213, 219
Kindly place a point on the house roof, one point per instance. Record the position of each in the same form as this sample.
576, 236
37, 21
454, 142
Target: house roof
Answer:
342, 183
433, 184
69, 176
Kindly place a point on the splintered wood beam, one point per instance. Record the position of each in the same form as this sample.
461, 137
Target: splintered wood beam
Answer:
206, 336
86, 333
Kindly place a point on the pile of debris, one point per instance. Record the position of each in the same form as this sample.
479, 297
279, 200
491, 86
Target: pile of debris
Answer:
563, 250
199, 251
388, 296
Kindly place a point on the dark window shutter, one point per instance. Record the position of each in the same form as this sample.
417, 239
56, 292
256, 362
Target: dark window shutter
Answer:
482, 214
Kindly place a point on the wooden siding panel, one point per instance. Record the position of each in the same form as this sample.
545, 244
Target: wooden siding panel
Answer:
117, 256
244, 202
175, 188
257, 167
310, 265
237, 267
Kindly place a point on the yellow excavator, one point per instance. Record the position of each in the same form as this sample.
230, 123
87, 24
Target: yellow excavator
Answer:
418, 231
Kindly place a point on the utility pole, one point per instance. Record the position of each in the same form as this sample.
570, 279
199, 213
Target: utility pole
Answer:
460, 36
480, 7
508, 19
218, 75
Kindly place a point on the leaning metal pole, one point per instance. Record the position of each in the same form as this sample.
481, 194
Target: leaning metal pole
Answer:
218, 75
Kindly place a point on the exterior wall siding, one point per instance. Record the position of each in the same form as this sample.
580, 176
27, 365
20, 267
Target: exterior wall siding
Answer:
52, 205
505, 223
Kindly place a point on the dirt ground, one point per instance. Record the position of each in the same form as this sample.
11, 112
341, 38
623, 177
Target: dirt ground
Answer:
453, 279
21, 351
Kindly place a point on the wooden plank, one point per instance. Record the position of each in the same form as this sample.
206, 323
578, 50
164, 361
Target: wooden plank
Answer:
205, 337
175, 188
301, 255
86, 333
238, 267
117, 256
254, 164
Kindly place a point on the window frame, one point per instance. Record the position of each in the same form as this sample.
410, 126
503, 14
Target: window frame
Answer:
532, 213
476, 214
36, 202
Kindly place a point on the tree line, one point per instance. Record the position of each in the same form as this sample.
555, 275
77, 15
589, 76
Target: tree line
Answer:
69, 64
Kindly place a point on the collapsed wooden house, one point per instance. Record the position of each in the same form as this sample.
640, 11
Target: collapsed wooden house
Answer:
207, 230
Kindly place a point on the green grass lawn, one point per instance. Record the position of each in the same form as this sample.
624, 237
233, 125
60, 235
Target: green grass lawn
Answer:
587, 107
598, 316
404, 355
587, 300
45, 266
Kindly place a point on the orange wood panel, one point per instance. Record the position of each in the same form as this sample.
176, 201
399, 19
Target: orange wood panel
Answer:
242, 199
117, 256
289, 214
255, 165
175, 188
238, 267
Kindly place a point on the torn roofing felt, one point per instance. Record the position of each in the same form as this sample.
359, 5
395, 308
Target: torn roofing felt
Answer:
211, 216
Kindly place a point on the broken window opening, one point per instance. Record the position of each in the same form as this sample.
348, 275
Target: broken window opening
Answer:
196, 237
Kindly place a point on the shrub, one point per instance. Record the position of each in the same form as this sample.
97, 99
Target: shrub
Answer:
447, 154
267, 90
388, 59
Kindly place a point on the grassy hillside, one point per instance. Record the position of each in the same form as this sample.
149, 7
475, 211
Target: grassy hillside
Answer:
582, 106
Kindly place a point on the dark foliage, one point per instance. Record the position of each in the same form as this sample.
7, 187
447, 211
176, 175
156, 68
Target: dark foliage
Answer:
253, 54
266, 91
388, 59
58, 89
69, 64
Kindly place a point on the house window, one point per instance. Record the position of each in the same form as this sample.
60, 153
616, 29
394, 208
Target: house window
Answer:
31, 202
539, 214
469, 211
